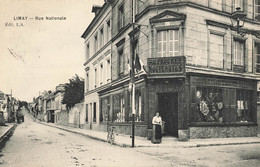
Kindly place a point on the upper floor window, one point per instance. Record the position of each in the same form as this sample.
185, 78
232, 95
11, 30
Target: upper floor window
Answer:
96, 43
239, 52
108, 71
101, 37
87, 81
257, 57
120, 63
216, 45
168, 43
238, 3
101, 74
108, 30
96, 78
87, 52
121, 17
257, 10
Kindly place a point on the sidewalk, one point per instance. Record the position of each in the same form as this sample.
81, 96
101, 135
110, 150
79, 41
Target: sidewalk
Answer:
126, 141
5, 129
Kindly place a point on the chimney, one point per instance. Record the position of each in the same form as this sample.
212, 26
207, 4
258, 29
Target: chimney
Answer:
96, 9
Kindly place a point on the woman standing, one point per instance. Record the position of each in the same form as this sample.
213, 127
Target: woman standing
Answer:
157, 132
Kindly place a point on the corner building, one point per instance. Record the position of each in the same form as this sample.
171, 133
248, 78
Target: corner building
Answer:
200, 75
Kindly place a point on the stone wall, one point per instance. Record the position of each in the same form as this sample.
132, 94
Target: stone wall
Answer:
222, 132
76, 113
63, 117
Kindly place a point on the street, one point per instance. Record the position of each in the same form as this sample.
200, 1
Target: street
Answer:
36, 145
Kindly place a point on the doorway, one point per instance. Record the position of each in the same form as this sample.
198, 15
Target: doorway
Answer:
168, 109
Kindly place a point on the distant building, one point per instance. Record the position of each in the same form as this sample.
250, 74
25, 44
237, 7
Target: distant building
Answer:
201, 74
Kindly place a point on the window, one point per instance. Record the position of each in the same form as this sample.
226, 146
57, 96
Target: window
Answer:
101, 74
138, 107
244, 106
257, 57
209, 104
94, 112
87, 82
168, 43
121, 17
105, 108
86, 113
239, 53
257, 10
238, 3
108, 30
119, 108
96, 43
216, 43
87, 52
108, 70
137, 5
101, 37
96, 78
120, 63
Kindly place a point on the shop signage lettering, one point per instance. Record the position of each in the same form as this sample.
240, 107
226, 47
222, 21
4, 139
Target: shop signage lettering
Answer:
166, 65
222, 82
166, 88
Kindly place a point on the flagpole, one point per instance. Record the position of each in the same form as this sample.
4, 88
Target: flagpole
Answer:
133, 75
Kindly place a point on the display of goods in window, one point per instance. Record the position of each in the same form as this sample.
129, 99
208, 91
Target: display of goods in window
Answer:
204, 108
220, 105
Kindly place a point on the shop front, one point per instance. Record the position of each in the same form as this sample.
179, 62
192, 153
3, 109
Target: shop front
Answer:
222, 107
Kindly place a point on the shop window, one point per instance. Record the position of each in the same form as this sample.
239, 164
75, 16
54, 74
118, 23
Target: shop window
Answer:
209, 104
105, 108
168, 43
216, 43
94, 112
244, 106
257, 57
119, 108
138, 107
257, 10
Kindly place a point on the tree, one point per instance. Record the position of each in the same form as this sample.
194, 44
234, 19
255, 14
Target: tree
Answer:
74, 92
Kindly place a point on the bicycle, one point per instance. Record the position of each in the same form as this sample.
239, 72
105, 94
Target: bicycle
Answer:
111, 135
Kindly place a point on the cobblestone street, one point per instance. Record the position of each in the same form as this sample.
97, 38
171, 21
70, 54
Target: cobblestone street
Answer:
33, 144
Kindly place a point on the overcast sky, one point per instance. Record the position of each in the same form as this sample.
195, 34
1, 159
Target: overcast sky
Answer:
43, 53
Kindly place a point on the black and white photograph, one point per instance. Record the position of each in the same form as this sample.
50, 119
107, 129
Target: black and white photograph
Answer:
129, 83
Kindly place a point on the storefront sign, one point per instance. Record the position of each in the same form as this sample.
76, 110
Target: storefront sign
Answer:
223, 82
167, 65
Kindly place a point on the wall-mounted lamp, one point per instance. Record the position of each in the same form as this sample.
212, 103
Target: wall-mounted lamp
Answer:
238, 20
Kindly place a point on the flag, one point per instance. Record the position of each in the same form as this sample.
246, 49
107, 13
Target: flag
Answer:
139, 65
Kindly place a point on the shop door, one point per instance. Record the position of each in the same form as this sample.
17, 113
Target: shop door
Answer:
168, 109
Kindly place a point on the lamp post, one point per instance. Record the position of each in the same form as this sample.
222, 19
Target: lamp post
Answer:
132, 75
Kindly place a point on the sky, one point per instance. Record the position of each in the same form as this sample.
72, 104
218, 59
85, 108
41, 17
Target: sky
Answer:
41, 54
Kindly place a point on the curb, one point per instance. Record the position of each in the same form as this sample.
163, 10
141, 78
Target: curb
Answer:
89, 136
190, 145
7, 132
